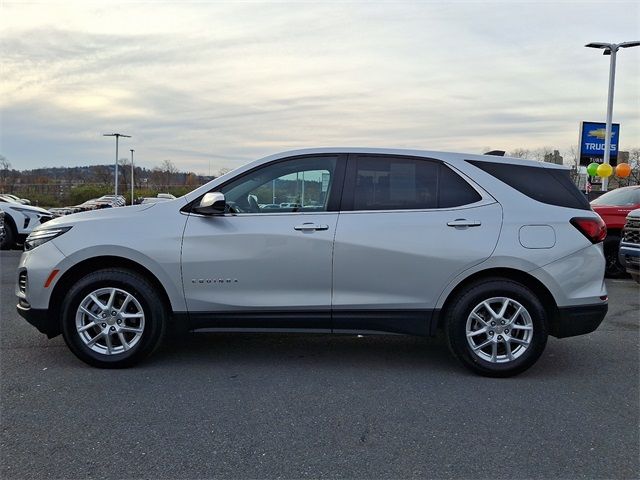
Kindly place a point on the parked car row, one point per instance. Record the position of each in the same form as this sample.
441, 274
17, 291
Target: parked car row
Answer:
107, 201
161, 197
613, 207
12, 198
630, 245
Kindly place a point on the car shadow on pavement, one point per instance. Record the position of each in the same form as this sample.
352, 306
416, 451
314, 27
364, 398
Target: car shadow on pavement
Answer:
390, 353
321, 350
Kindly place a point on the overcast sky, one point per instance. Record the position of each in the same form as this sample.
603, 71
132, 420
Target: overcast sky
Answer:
213, 84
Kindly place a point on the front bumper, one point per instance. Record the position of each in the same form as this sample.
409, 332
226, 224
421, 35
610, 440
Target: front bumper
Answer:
579, 320
39, 319
630, 257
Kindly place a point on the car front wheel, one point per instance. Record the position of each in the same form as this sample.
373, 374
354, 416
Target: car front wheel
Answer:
113, 318
10, 236
496, 327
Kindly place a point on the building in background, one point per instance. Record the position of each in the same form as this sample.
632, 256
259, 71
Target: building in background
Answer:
554, 157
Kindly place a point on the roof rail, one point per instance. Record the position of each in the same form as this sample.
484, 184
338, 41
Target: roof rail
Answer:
497, 153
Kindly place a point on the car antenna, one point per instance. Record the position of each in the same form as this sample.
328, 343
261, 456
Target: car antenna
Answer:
497, 153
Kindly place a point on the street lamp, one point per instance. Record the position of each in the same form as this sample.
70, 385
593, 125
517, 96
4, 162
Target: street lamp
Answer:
117, 135
610, 49
131, 150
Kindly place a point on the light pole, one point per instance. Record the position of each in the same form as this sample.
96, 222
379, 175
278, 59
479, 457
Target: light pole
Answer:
117, 135
131, 150
610, 49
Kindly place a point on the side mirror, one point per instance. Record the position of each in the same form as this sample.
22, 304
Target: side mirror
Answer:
213, 203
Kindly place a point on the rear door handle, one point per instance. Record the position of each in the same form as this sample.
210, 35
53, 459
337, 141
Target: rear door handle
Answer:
463, 222
310, 227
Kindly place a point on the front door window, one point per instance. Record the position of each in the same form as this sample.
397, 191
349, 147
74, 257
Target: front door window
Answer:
297, 185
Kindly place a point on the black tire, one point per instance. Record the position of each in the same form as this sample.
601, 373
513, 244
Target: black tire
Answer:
153, 308
460, 309
10, 236
636, 277
613, 269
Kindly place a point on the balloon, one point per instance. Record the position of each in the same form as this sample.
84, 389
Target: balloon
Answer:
604, 170
623, 170
592, 169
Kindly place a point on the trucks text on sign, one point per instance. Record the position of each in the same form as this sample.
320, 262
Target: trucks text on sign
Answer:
592, 140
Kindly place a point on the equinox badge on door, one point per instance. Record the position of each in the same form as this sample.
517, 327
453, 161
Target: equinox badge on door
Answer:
214, 280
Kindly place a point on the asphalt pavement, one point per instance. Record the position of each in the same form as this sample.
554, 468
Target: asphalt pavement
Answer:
319, 406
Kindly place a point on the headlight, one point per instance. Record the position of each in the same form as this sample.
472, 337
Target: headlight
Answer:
40, 236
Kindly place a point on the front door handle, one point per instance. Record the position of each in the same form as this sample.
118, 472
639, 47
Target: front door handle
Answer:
463, 223
310, 227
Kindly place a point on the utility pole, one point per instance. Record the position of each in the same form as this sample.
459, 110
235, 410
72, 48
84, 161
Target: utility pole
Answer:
131, 150
610, 49
117, 135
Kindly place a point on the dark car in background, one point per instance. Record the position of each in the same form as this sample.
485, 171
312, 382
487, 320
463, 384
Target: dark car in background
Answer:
2, 231
630, 245
613, 207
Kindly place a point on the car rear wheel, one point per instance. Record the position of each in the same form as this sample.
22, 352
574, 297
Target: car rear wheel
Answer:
496, 327
113, 318
613, 269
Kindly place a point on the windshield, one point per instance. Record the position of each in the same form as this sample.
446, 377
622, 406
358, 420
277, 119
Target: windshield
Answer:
619, 197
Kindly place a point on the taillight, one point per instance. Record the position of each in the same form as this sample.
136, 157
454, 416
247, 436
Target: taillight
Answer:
592, 228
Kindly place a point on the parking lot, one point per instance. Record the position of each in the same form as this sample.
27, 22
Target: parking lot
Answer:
293, 406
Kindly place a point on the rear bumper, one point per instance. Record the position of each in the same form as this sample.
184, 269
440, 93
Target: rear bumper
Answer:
572, 321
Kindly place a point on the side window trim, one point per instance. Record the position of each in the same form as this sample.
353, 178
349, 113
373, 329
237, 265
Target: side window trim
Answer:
335, 193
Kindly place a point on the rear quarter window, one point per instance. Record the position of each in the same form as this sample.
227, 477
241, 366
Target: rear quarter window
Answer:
547, 185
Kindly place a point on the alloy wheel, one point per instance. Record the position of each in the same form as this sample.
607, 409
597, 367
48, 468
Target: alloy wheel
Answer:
499, 330
110, 321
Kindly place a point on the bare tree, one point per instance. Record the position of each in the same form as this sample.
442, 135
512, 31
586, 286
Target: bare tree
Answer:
520, 153
634, 163
5, 165
573, 155
125, 171
102, 174
169, 170
191, 179
156, 178
539, 154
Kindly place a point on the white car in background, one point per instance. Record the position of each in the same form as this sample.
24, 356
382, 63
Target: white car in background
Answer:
10, 198
162, 197
20, 220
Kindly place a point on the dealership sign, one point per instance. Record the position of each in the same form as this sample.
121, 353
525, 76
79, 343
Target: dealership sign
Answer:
592, 138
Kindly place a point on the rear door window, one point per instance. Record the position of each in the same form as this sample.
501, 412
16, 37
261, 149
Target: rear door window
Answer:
384, 182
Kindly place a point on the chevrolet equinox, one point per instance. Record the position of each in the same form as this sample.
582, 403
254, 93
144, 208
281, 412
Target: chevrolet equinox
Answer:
497, 252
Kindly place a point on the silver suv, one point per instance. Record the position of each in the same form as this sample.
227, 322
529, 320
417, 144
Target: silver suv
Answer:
497, 252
